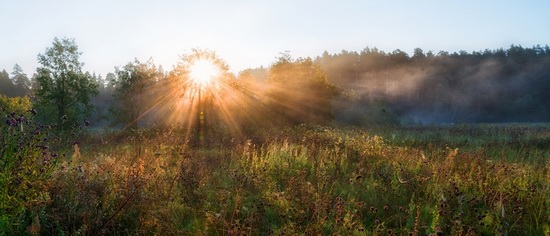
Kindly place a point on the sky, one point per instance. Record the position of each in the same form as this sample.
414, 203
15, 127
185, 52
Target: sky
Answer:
249, 34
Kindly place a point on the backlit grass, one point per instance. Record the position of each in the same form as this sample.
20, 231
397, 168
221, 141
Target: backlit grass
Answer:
302, 180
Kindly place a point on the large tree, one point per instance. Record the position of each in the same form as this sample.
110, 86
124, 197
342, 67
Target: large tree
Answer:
300, 90
64, 91
133, 92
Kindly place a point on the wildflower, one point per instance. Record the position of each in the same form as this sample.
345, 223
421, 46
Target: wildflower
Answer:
10, 122
373, 209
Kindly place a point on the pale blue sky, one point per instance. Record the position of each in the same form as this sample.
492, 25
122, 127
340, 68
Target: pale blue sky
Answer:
252, 33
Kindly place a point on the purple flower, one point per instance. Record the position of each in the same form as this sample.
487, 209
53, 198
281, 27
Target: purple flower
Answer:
13, 122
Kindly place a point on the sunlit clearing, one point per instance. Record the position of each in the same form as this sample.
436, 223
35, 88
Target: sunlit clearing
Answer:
202, 72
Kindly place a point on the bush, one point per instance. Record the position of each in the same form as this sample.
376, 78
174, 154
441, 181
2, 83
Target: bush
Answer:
17, 105
27, 160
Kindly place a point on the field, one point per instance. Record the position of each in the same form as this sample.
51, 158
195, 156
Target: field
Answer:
305, 180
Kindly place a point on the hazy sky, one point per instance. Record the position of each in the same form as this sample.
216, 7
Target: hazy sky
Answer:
252, 33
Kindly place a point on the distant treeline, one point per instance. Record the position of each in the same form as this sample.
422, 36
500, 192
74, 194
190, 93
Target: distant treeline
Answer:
358, 88
502, 85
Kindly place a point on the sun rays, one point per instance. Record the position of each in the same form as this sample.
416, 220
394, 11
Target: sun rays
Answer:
202, 96
202, 72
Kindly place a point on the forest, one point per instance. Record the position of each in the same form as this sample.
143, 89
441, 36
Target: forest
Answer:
367, 87
352, 143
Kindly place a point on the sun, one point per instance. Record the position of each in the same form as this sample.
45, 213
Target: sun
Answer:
202, 72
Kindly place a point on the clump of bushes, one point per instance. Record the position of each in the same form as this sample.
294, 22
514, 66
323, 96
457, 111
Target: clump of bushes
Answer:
28, 156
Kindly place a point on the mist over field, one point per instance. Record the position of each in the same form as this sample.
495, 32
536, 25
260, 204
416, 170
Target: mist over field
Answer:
347, 143
274, 118
373, 86
426, 88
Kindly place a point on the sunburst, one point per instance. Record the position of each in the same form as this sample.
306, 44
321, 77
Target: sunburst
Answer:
203, 72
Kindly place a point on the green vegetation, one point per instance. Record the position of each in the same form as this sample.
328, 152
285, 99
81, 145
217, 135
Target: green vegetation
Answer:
63, 91
17, 105
261, 154
305, 180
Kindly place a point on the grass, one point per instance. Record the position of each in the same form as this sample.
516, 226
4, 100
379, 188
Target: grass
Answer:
306, 180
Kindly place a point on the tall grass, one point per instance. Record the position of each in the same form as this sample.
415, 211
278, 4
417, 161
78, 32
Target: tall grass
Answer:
302, 180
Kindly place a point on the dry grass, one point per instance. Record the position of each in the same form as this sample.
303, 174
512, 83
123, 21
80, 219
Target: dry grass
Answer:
303, 180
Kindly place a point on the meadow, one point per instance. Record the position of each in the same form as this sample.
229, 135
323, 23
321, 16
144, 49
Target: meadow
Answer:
305, 180
315, 145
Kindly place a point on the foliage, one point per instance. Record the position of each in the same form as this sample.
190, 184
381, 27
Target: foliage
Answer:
299, 90
27, 161
7, 87
491, 85
63, 91
134, 88
244, 176
181, 72
304, 179
502, 85
18, 85
20, 81
16, 105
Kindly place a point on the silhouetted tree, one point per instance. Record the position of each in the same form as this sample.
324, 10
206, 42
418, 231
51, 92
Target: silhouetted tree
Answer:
500, 85
6, 84
418, 54
21, 81
299, 89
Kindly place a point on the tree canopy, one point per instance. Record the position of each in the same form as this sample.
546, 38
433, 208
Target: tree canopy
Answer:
300, 90
359, 88
133, 91
63, 90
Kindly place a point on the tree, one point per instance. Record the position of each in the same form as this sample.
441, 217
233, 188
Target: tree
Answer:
64, 91
300, 90
418, 54
21, 81
6, 85
132, 88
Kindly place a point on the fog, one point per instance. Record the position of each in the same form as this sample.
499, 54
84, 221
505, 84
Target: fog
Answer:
353, 88
491, 86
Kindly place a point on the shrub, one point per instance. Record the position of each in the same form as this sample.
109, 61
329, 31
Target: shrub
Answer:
27, 160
